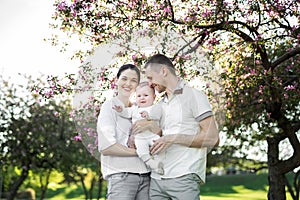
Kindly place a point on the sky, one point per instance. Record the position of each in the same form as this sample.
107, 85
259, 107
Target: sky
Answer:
23, 26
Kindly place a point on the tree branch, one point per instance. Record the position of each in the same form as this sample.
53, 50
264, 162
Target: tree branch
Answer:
289, 164
189, 43
285, 57
290, 188
172, 11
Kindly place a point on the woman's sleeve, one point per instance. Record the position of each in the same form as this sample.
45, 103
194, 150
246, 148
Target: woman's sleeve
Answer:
106, 126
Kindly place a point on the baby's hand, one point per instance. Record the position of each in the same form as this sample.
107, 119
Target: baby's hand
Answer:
144, 114
130, 142
117, 108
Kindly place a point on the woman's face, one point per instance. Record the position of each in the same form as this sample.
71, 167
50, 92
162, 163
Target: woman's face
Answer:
127, 82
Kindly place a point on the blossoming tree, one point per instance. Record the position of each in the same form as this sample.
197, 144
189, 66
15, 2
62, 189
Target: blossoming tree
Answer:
254, 44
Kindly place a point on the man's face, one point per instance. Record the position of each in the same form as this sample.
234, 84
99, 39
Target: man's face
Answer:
155, 77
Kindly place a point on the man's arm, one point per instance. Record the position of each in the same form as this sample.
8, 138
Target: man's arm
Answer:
207, 137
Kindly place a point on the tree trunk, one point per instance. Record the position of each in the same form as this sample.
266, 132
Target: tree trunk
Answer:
91, 188
100, 180
1, 183
297, 184
275, 178
277, 185
44, 187
83, 186
15, 187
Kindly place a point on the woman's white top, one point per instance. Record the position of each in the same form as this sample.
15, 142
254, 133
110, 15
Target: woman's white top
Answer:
112, 129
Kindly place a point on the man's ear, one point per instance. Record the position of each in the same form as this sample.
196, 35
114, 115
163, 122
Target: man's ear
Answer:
164, 70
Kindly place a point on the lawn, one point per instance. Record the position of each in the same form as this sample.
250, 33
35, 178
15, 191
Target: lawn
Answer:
236, 187
227, 187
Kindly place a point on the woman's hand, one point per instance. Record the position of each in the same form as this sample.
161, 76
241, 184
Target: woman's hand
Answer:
117, 108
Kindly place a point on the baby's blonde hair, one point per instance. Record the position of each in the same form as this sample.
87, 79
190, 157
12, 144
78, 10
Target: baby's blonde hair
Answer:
144, 84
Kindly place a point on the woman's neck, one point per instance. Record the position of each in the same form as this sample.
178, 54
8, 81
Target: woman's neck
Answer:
124, 100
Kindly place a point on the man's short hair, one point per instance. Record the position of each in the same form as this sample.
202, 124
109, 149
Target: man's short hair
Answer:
161, 60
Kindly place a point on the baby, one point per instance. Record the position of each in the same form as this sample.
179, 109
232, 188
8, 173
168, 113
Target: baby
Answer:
144, 109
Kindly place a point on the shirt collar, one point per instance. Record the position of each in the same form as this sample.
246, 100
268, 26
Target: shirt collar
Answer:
179, 87
178, 90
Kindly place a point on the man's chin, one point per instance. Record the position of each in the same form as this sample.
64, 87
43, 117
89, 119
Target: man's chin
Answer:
159, 89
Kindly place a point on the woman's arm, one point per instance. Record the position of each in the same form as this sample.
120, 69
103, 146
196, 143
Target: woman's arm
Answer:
118, 150
106, 129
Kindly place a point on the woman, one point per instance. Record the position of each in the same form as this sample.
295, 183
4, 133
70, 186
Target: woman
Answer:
127, 176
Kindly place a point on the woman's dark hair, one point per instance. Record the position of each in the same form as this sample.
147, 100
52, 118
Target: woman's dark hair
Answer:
129, 66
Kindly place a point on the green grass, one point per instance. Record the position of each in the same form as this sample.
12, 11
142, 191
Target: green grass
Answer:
65, 192
236, 187
227, 187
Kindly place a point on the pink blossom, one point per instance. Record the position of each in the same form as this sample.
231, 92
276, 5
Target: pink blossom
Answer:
56, 114
113, 85
290, 87
289, 67
91, 148
77, 138
261, 89
167, 10
74, 13
133, 57
71, 113
90, 132
252, 71
62, 6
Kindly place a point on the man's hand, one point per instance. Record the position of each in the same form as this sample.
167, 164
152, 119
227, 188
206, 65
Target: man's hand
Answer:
143, 125
160, 145
208, 136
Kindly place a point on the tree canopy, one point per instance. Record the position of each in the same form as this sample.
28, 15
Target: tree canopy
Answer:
253, 44
37, 136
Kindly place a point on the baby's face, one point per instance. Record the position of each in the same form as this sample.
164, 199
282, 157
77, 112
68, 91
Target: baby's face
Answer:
145, 96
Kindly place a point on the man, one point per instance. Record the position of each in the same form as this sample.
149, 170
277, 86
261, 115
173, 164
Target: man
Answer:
188, 128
